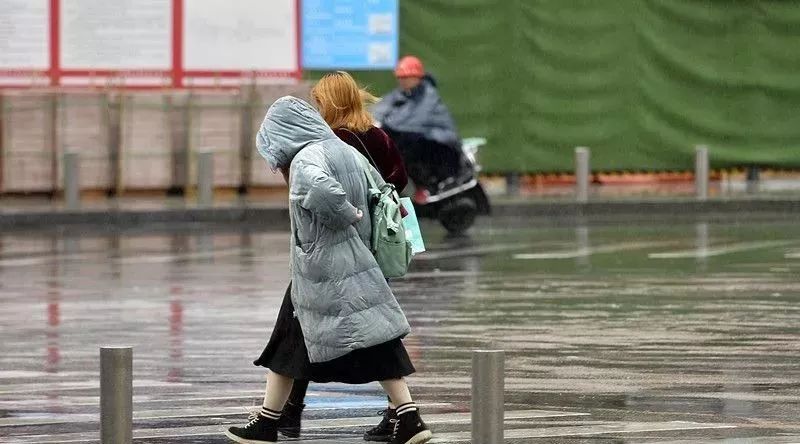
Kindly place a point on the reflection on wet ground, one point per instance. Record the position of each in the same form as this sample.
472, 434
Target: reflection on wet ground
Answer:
650, 333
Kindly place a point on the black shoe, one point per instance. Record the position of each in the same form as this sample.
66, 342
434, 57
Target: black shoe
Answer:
410, 429
259, 430
289, 423
383, 431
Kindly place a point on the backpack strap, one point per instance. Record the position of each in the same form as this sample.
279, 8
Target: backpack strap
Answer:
360, 142
366, 151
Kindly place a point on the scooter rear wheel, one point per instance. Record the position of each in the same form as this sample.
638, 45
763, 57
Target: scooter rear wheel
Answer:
458, 215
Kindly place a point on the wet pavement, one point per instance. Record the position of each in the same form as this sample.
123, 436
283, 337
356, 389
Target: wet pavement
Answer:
671, 332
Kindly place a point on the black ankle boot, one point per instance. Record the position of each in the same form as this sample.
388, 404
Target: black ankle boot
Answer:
289, 423
383, 431
410, 429
259, 430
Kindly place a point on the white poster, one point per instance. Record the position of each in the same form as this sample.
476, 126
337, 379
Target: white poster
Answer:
240, 35
116, 34
24, 34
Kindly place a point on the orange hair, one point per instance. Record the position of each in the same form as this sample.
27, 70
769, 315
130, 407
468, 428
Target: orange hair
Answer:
342, 102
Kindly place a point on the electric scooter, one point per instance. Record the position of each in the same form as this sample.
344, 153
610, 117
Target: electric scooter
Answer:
456, 201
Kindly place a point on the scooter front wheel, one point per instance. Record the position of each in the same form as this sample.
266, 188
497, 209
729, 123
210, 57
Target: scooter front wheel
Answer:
458, 215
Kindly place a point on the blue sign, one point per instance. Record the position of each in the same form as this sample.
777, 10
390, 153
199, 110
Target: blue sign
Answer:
350, 34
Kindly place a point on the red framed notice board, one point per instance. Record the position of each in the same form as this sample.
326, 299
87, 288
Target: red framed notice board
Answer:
148, 43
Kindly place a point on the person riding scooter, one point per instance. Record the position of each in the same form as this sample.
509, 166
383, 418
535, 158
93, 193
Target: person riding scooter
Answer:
415, 117
443, 168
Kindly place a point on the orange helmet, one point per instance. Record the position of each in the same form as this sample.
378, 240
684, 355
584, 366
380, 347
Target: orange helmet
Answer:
409, 66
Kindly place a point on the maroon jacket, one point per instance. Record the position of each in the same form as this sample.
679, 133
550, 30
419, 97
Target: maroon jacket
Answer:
382, 151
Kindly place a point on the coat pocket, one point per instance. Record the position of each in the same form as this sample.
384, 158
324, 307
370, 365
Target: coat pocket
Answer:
305, 226
314, 265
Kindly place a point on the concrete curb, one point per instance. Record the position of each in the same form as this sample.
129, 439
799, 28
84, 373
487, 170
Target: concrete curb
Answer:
276, 218
646, 209
271, 217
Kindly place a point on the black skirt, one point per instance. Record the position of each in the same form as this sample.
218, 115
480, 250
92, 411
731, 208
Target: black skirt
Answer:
286, 354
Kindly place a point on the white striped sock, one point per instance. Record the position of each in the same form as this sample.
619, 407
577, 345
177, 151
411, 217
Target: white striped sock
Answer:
269, 413
407, 407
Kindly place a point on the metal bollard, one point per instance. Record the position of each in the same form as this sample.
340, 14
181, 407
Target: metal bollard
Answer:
701, 172
582, 174
513, 184
205, 178
116, 395
72, 187
753, 179
488, 374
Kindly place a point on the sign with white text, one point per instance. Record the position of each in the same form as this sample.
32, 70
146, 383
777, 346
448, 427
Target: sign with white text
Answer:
350, 34
148, 43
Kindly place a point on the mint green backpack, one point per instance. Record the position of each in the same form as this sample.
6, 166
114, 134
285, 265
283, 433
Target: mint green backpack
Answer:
389, 245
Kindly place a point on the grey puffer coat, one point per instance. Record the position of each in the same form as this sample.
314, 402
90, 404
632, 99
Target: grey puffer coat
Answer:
340, 296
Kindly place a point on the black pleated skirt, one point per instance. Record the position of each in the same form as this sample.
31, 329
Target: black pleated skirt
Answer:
286, 354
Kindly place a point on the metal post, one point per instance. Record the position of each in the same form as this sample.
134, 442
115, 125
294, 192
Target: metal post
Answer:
54, 137
72, 187
582, 174
2, 142
116, 395
205, 178
513, 184
246, 140
179, 119
488, 373
701, 172
753, 179
114, 109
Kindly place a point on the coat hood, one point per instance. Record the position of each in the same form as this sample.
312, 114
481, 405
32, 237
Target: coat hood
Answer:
289, 126
430, 79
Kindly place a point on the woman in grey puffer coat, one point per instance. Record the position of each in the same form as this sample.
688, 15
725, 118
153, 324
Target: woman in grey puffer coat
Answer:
340, 320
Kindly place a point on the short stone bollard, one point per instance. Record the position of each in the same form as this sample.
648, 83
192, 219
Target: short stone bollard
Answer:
513, 184
753, 179
582, 173
488, 386
72, 183
116, 395
701, 172
205, 178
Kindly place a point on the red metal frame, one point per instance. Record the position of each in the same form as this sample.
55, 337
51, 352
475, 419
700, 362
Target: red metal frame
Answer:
177, 44
177, 74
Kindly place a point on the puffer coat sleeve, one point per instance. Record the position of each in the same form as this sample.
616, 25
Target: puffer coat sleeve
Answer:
322, 194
